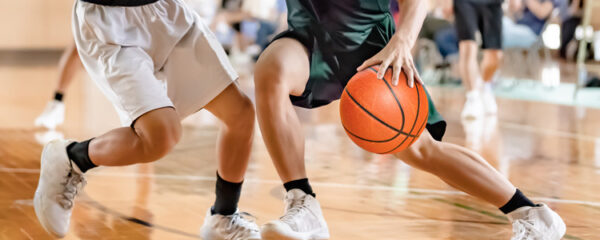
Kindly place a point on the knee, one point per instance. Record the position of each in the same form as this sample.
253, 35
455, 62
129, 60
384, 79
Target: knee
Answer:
419, 155
269, 73
160, 139
494, 57
242, 118
282, 69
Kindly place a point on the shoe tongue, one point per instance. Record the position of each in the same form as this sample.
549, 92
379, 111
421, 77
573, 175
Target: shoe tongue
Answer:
295, 194
520, 213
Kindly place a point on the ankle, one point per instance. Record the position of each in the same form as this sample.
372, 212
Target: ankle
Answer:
517, 201
301, 184
228, 196
78, 154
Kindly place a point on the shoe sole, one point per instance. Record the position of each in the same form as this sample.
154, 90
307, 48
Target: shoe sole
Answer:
37, 203
270, 232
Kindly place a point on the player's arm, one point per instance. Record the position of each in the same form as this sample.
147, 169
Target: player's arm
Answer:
542, 10
397, 53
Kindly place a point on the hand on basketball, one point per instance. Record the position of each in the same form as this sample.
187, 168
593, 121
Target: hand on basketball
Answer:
396, 55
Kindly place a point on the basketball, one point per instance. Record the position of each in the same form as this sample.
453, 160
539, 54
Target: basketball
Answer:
382, 118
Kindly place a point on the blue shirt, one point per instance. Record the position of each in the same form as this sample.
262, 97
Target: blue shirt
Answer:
529, 19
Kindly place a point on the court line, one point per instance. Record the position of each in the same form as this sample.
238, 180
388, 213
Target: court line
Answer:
315, 183
544, 131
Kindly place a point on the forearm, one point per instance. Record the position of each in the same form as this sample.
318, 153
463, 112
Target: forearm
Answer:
541, 10
412, 13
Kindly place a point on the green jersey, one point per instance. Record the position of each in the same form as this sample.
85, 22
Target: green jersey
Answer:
345, 23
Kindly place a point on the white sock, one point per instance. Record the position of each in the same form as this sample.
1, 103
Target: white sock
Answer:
487, 87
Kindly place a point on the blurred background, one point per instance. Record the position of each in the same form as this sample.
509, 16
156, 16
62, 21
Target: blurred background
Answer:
547, 128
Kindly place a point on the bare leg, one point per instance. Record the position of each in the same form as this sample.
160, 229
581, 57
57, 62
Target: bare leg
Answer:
234, 143
490, 63
67, 67
282, 69
460, 168
154, 135
469, 68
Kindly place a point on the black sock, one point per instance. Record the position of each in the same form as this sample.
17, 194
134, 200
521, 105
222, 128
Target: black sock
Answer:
228, 196
78, 153
301, 184
518, 200
58, 96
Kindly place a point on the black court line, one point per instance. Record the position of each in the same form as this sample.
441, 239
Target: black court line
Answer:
91, 202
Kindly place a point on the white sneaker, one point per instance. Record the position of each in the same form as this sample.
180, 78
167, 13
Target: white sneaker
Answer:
473, 107
537, 223
237, 226
303, 219
60, 181
52, 116
489, 100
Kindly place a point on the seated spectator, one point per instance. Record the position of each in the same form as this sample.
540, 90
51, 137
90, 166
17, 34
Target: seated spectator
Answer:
439, 28
530, 16
571, 16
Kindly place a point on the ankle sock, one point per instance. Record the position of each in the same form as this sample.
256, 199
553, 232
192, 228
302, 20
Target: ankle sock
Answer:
518, 200
58, 96
301, 184
228, 196
78, 153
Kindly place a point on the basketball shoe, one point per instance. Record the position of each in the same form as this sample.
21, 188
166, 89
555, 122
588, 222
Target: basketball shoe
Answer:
473, 106
302, 220
489, 100
537, 223
60, 181
237, 226
52, 116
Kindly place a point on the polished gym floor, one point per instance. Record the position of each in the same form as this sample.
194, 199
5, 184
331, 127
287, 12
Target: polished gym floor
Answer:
551, 152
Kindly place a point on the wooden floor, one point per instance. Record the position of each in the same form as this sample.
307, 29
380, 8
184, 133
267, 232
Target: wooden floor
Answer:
551, 152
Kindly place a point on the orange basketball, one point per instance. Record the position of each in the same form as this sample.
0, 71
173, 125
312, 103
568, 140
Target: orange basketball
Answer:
382, 118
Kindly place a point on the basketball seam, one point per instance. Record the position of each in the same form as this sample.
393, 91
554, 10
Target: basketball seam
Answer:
369, 140
374, 117
416, 118
395, 97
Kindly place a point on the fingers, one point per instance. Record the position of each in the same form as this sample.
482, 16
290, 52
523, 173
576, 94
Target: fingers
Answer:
383, 68
369, 62
410, 75
396, 73
417, 76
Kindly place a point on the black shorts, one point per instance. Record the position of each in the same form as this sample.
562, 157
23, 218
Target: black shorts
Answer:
486, 18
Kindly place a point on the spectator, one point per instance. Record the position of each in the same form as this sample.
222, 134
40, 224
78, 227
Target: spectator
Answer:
439, 28
571, 19
484, 16
530, 17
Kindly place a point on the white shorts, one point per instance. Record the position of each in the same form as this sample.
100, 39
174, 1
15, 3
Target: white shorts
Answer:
151, 56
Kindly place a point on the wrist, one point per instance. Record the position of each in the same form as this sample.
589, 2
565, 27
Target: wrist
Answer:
403, 40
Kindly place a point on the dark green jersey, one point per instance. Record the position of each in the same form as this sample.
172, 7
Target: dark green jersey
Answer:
347, 23
339, 35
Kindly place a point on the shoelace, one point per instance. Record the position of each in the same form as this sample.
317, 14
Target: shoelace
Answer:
296, 209
74, 182
523, 229
238, 225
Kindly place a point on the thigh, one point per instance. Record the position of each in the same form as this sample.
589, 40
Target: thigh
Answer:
197, 70
285, 62
228, 105
491, 25
161, 123
133, 89
466, 20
